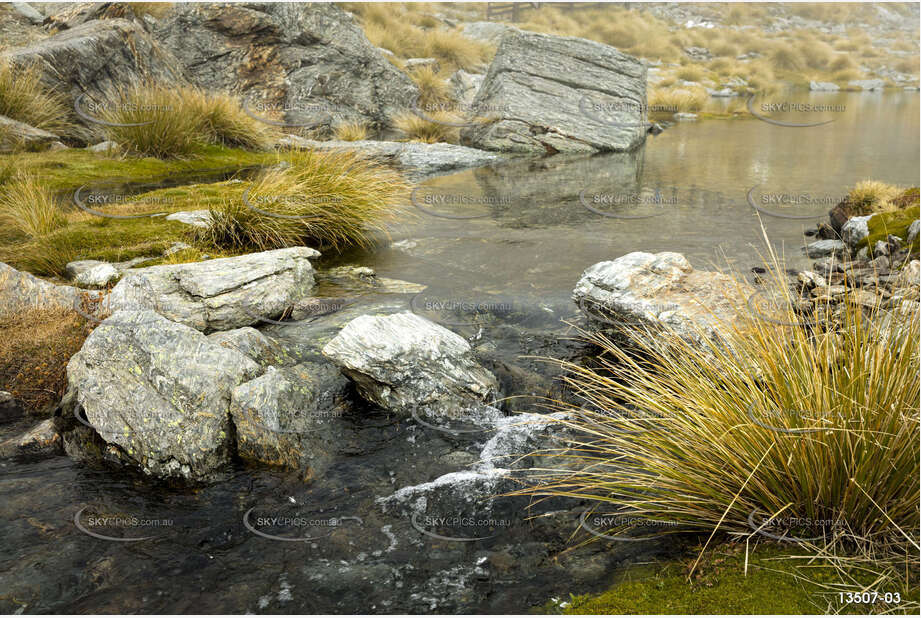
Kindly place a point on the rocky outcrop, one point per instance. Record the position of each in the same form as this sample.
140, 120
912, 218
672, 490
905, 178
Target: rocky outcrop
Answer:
660, 291
219, 294
21, 291
418, 160
407, 364
309, 59
160, 392
96, 59
547, 94
288, 416
15, 135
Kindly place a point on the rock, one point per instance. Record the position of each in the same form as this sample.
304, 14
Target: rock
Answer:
487, 31
418, 160
29, 12
220, 294
411, 64
823, 86
9, 408
72, 61
810, 279
403, 361
195, 218
854, 231
546, 94
103, 147
15, 135
698, 53
685, 116
863, 298
160, 391
176, 247
43, 439
56, 146
309, 60
97, 277
912, 236
867, 84
660, 290
724, 93
249, 342
287, 416
909, 275
465, 86
78, 267
22, 291
822, 248
881, 248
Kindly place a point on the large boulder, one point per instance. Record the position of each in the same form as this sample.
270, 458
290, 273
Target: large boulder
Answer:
159, 391
405, 363
21, 291
15, 135
309, 59
547, 94
220, 294
96, 58
661, 290
288, 416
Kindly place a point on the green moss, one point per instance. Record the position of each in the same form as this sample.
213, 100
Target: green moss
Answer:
69, 169
895, 222
774, 584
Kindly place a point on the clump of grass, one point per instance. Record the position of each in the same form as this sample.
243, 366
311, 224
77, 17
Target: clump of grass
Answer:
778, 418
680, 99
169, 121
351, 131
690, 73
35, 346
331, 199
786, 58
23, 97
29, 208
455, 50
154, 9
873, 196
434, 128
433, 89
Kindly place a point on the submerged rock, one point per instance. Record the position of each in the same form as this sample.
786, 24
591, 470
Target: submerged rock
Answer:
160, 391
287, 416
309, 61
546, 94
403, 362
220, 294
660, 290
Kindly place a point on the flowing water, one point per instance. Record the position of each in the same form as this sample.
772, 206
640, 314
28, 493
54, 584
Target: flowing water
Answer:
500, 249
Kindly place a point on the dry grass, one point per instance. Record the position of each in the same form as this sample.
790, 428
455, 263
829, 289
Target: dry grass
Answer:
433, 87
30, 209
332, 199
874, 196
679, 99
24, 98
813, 423
35, 346
351, 131
419, 129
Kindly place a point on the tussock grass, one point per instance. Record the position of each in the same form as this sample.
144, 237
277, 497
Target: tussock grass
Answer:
788, 421
169, 121
678, 99
419, 129
35, 346
29, 208
23, 97
874, 196
433, 88
351, 131
332, 199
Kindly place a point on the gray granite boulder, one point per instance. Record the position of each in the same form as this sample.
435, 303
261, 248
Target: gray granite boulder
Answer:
404, 363
220, 294
545, 94
15, 135
159, 391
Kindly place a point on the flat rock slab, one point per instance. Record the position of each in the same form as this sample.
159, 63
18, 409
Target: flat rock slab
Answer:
405, 363
160, 391
220, 294
545, 94
661, 290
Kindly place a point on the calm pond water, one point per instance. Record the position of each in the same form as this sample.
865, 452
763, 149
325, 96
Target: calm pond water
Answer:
524, 237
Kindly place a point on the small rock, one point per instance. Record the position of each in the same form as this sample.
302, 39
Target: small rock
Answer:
909, 275
880, 263
685, 116
810, 279
864, 298
56, 146
823, 248
881, 248
854, 231
415, 63
106, 146
41, 439
823, 86
829, 290
176, 247
867, 84
912, 235
98, 276
195, 218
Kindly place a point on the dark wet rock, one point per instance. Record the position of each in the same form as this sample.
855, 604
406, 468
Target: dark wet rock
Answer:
310, 59
43, 439
288, 417
546, 94
660, 290
404, 362
96, 58
160, 391
15, 135
10, 409
22, 291
220, 294
418, 160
